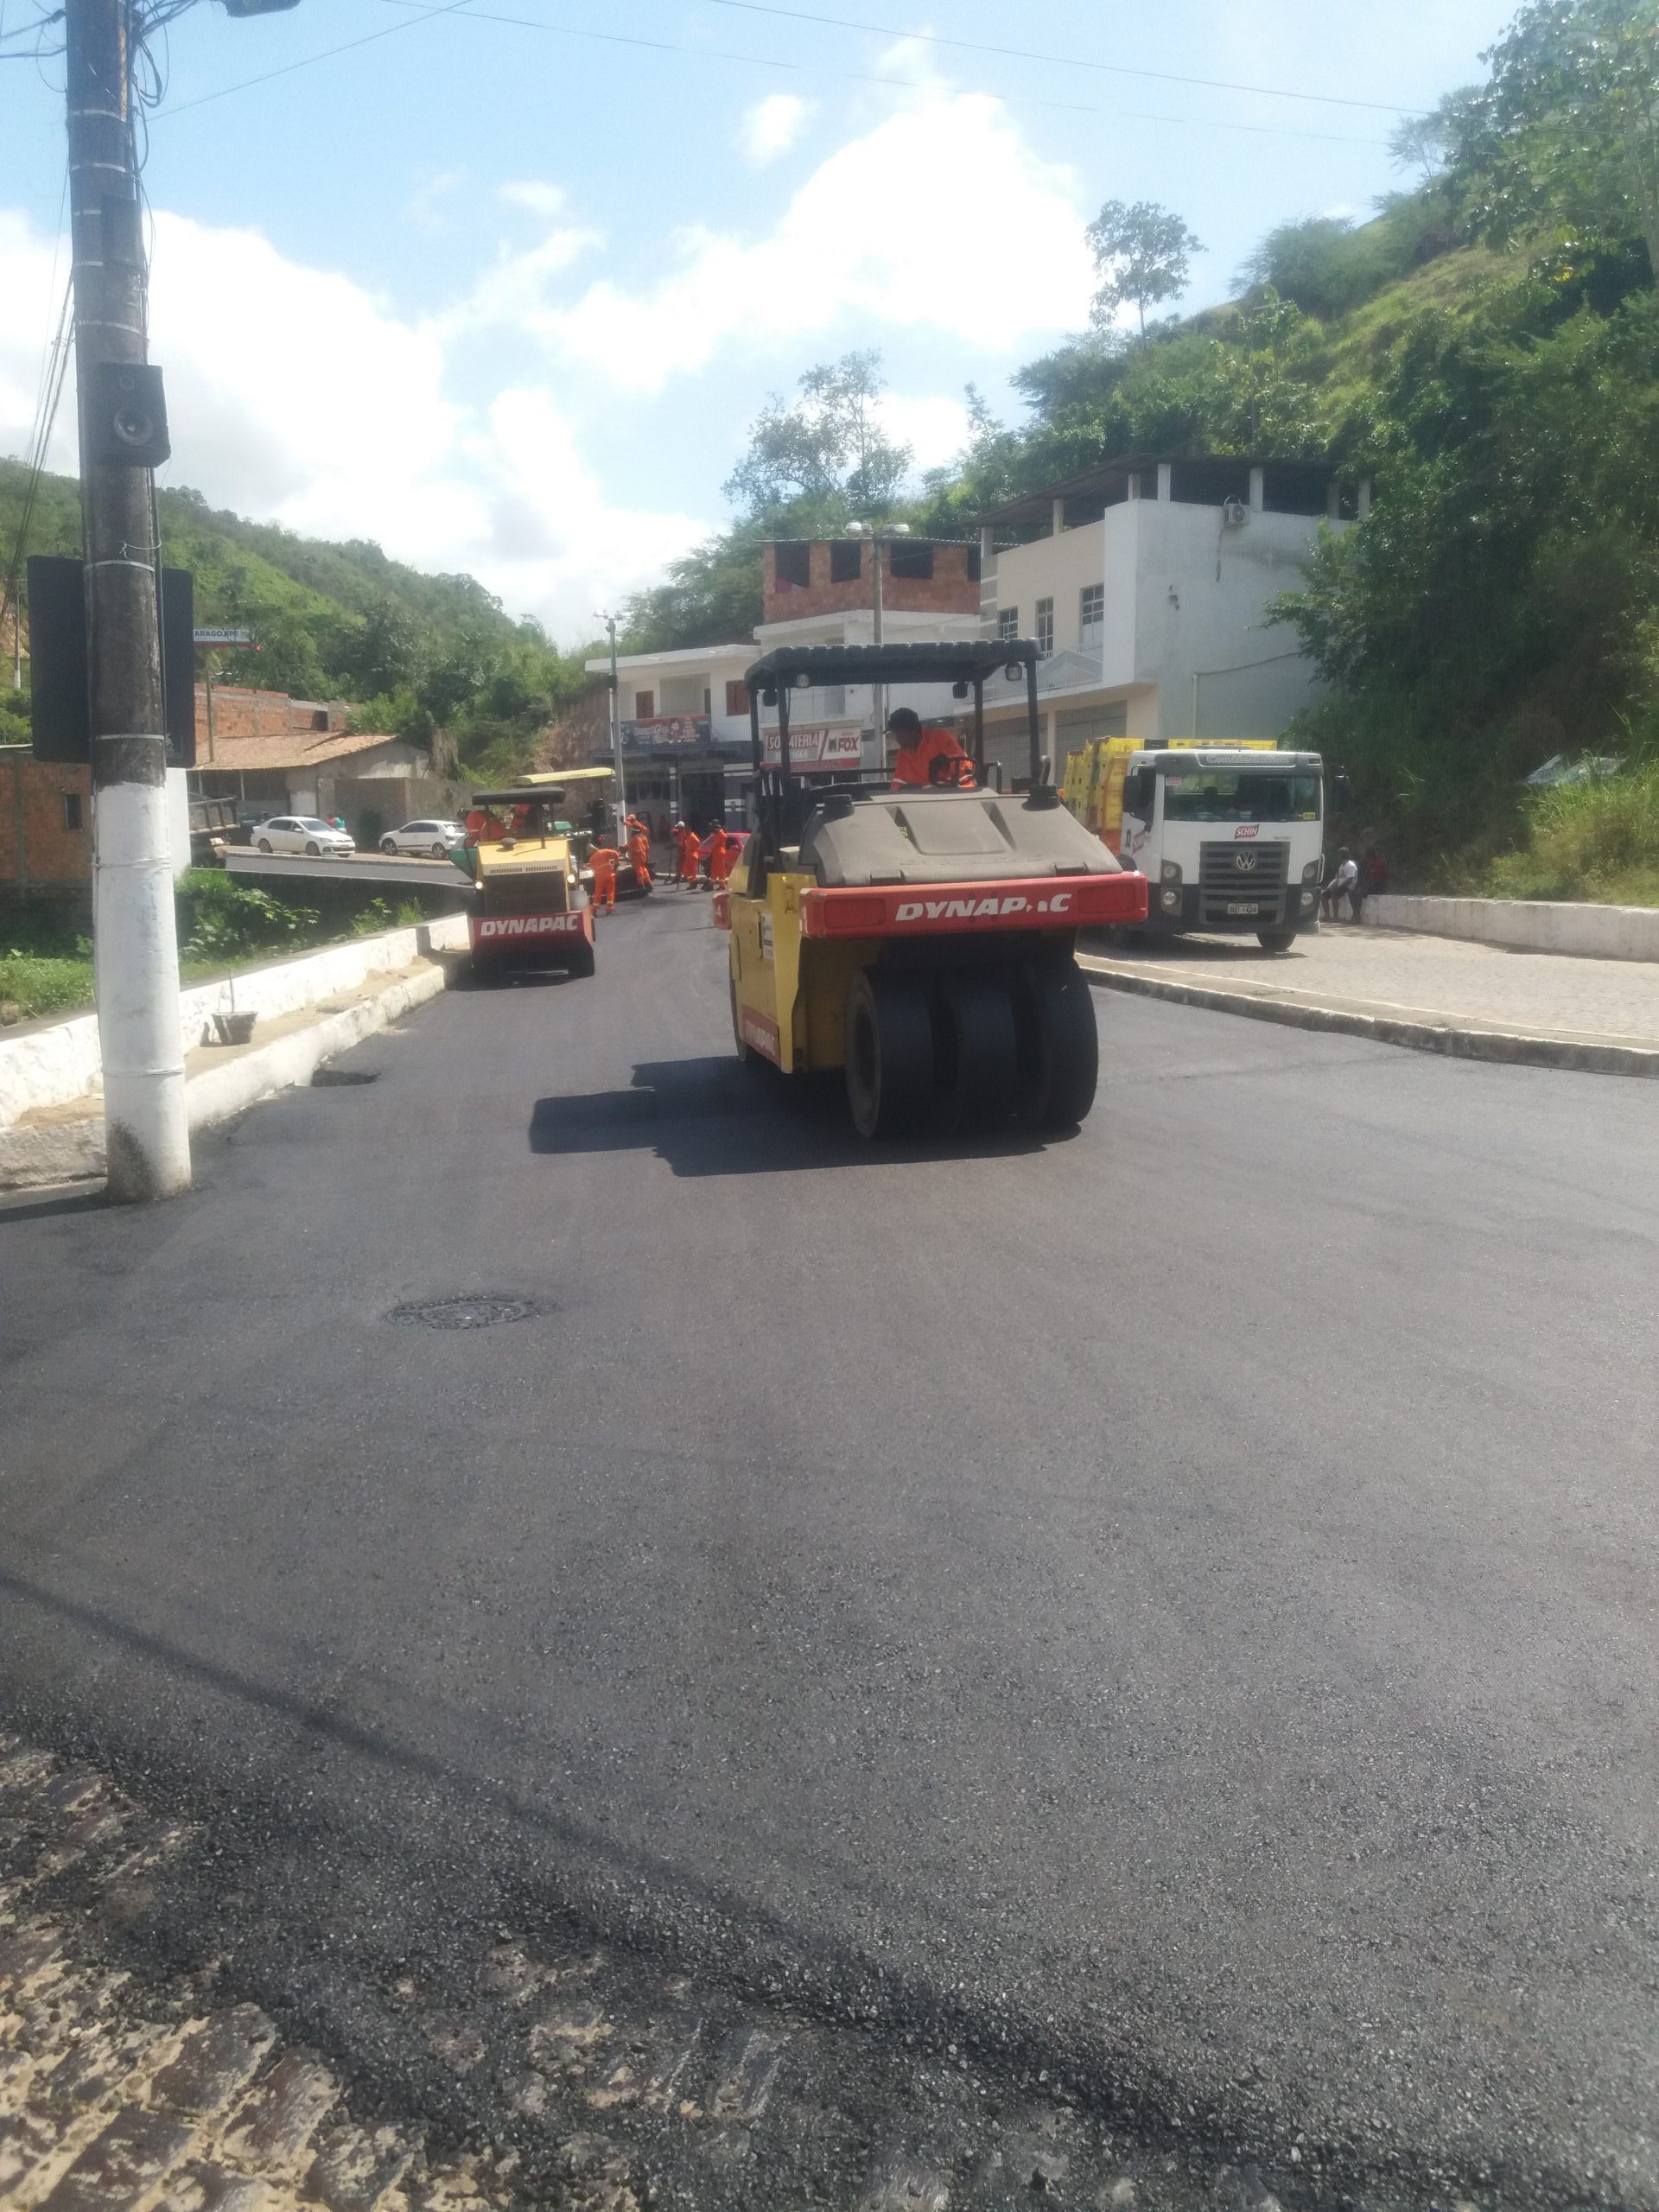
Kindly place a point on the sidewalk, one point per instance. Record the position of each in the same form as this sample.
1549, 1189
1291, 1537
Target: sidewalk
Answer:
1434, 993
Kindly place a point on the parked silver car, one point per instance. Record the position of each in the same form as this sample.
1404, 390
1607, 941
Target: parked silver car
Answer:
434, 837
301, 833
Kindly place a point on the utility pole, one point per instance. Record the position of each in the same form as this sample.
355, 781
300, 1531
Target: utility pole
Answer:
135, 933
878, 534
609, 621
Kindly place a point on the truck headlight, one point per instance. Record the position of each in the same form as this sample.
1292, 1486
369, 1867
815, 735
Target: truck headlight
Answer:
1170, 898
1311, 872
1170, 871
1307, 902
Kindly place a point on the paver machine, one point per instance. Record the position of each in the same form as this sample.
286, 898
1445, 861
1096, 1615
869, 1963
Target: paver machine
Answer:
922, 940
530, 906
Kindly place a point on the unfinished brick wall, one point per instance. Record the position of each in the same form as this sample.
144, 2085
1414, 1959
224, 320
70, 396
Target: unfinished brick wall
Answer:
238, 712
38, 848
951, 588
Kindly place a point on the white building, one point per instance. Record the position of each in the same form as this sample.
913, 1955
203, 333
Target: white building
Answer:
1147, 583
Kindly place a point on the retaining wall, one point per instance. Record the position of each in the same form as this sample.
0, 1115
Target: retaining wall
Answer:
1526, 924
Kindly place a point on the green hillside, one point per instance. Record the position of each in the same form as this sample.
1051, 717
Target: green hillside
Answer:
417, 653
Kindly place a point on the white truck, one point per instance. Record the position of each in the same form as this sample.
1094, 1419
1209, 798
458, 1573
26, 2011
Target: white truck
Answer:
1229, 838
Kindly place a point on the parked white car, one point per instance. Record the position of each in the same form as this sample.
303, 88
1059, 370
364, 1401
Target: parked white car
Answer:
301, 833
434, 837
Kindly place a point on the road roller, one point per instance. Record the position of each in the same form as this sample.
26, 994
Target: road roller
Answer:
921, 938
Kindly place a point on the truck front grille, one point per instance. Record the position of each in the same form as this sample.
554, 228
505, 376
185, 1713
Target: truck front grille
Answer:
1243, 883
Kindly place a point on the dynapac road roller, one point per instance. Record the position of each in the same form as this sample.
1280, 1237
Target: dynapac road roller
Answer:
530, 906
920, 939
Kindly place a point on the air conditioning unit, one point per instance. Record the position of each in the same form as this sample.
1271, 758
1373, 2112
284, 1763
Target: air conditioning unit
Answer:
1233, 514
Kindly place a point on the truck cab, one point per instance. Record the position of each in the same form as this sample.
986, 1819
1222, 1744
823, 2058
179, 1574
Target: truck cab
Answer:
1230, 839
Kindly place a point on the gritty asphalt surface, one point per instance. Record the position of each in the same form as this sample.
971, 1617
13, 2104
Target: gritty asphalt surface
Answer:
1172, 1611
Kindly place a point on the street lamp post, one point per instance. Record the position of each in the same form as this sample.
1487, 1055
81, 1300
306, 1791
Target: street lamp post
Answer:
609, 621
878, 534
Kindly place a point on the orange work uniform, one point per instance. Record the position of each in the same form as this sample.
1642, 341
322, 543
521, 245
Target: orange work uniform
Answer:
723, 851
935, 759
639, 854
605, 860
689, 843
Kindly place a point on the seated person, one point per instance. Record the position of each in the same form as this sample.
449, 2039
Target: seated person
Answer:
928, 757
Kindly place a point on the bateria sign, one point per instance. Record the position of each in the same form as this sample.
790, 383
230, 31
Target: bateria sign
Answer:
821, 745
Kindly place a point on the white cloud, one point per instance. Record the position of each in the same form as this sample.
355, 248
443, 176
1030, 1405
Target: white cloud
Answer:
346, 427
852, 242
935, 429
538, 197
772, 126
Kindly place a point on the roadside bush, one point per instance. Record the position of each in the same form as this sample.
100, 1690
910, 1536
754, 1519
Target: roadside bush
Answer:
222, 920
1596, 840
34, 984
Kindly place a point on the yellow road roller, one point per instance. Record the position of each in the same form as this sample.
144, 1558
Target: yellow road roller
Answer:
920, 938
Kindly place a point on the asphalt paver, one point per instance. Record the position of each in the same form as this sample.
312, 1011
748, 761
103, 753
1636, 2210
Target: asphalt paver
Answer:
1138, 1648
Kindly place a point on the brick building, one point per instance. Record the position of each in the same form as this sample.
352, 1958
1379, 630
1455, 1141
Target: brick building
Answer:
805, 580
45, 823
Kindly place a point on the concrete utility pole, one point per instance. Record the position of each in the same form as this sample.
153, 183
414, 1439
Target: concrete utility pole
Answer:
878, 534
609, 621
135, 934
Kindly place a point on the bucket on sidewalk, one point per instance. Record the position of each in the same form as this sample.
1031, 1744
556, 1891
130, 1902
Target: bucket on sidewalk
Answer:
232, 1028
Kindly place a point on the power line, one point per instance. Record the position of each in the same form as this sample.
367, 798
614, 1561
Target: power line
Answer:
478, 15
1061, 61
246, 84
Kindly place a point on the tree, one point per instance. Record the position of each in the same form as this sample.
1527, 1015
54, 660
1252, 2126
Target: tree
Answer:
1567, 130
1143, 252
1427, 142
1325, 264
828, 448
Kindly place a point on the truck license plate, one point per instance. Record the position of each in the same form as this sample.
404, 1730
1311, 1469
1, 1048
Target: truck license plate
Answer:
1243, 906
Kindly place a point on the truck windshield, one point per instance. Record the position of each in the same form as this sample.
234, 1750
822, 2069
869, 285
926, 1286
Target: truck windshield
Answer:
1239, 795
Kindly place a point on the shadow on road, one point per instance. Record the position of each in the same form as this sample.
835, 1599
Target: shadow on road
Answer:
714, 1115
89, 1198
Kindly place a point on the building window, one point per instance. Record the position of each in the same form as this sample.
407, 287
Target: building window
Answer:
791, 560
846, 560
910, 558
1210, 483
835, 700
971, 563
1007, 622
645, 706
737, 698
707, 700
1091, 614
72, 819
1044, 627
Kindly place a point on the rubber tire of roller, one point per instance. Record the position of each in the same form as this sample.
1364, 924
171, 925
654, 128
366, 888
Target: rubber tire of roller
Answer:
582, 961
1059, 1058
978, 1052
889, 1054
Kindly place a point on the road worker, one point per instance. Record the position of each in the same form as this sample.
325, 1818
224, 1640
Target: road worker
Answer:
926, 756
604, 859
688, 841
639, 853
720, 850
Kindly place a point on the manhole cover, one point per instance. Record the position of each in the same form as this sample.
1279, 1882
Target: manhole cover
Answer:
485, 1313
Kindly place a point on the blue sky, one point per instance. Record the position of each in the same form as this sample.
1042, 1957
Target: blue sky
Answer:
505, 294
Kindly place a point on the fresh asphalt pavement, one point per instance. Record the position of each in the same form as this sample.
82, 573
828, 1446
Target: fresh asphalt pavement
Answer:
1179, 1600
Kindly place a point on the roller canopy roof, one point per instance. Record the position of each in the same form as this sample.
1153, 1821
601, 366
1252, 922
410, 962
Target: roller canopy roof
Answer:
960, 663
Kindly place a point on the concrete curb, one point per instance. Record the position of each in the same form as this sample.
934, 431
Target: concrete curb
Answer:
1504, 1045
71, 1152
